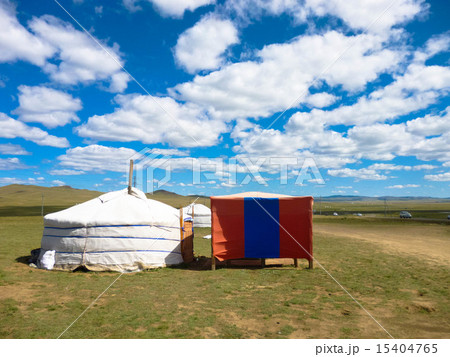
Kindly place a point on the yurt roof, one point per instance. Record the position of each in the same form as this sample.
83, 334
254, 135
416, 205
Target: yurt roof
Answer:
116, 208
199, 209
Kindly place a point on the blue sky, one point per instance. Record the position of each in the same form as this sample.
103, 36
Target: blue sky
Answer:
313, 97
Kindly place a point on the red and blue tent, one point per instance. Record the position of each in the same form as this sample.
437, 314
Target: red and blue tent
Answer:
261, 225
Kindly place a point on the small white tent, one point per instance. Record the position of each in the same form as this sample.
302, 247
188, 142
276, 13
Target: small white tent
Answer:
116, 231
202, 214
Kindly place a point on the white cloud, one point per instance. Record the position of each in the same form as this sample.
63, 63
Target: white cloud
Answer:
381, 141
430, 125
157, 151
360, 174
131, 5
11, 128
439, 177
249, 9
12, 163
11, 181
389, 167
370, 138
65, 172
97, 158
58, 183
176, 8
436, 44
403, 186
375, 16
154, 120
393, 167
282, 72
12, 149
168, 8
202, 46
423, 167
419, 87
17, 43
435, 148
47, 106
321, 100
68, 55
98, 10
82, 60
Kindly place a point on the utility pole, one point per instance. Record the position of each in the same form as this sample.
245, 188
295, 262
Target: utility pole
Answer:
130, 176
42, 206
320, 205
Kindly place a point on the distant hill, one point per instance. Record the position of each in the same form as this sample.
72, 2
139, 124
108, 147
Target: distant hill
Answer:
17, 197
176, 200
30, 195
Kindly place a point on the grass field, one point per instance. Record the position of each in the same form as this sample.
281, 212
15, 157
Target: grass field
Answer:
398, 270
407, 294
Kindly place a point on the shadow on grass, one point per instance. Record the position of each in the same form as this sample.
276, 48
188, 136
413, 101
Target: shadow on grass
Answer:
204, 263
24, 259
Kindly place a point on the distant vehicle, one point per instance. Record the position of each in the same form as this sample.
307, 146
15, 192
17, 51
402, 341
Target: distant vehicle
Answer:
335, 214
358, 214
448, 217
405, 214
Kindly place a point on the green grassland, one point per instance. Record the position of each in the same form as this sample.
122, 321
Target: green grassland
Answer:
408, 295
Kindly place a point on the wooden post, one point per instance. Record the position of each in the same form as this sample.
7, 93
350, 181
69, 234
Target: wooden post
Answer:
263, 262
296, 262
130, 177
310, 265
213, 258
181, 228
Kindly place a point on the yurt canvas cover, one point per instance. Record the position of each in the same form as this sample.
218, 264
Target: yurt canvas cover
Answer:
261, 225
202, 214
116, 231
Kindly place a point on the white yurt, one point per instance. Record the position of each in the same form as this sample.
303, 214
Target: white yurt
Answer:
202, 214
117, 231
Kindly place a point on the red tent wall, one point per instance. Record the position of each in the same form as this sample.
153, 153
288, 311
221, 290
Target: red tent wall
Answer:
267, 227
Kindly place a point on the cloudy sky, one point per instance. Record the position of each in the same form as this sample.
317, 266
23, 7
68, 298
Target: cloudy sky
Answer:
320, 97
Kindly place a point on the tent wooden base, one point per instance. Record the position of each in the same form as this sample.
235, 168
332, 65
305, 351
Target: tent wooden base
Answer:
247, 262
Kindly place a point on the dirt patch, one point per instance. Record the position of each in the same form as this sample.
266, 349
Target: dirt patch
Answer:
430, 242
425, 306
253, 327
21, 292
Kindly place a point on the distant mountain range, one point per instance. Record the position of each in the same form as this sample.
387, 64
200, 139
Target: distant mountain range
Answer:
337, 198
29, 195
